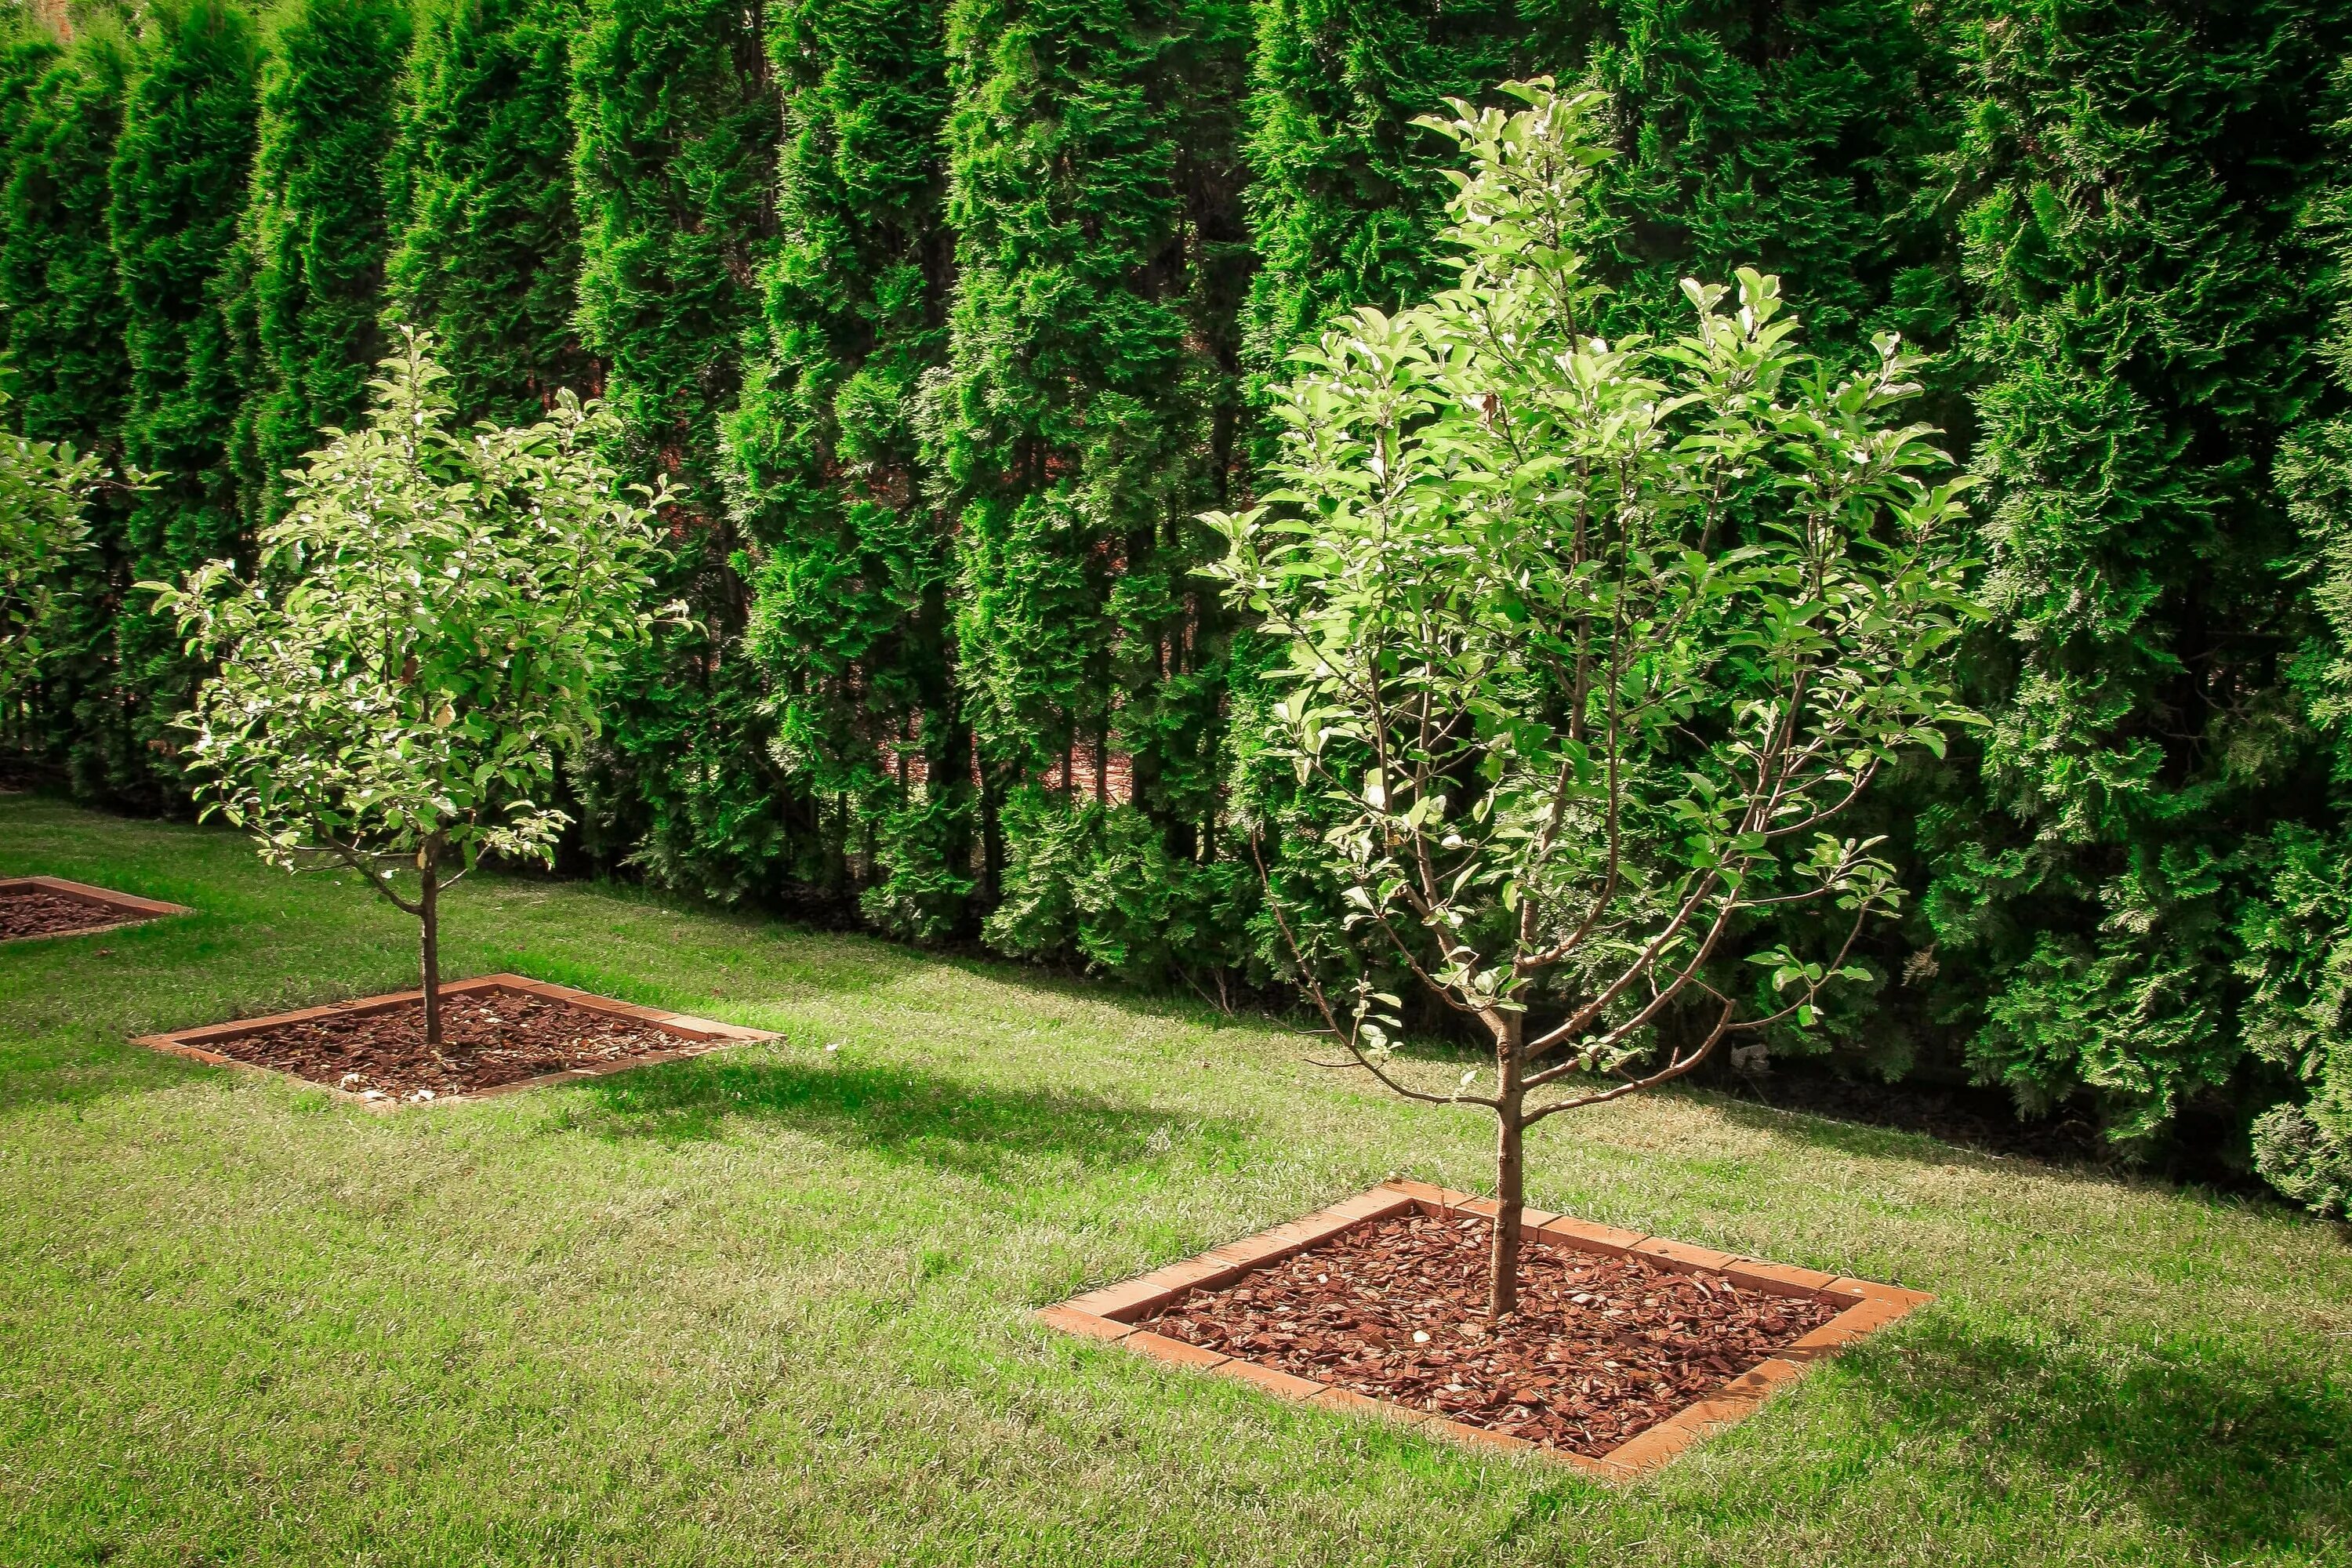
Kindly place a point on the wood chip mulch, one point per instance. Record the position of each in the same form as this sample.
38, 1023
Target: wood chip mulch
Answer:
1600, 1349
487, 1038
39, 911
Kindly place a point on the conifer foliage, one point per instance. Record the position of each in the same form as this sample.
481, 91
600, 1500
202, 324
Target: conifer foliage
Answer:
2142, 304
176, 191
1795, 136
68, 376
675, 113
316, 228
850, 619
486, 249
1346, 198
65, 368
2295, 936
1084, 419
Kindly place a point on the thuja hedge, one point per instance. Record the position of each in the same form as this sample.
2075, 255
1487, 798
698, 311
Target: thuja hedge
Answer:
947, 316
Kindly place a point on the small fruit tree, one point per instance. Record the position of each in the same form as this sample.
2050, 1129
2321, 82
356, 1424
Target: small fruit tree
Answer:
428, 626
43, 487
1591, 643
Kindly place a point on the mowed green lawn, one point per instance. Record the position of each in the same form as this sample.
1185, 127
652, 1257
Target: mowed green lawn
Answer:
773, 1306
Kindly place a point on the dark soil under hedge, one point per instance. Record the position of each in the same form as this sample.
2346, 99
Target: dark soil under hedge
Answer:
488, 1038
1600, 1349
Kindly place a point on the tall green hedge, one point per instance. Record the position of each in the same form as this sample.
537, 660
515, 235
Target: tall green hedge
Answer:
2142, 304
486, 249
176, 190
1797, 136
850, 614
2295, 937
1087, 414
318, 229
1345, 190
1800, 138
27, 55
676, 114
64, 366
67, 375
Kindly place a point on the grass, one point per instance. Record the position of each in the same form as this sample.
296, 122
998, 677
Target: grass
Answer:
772, 1306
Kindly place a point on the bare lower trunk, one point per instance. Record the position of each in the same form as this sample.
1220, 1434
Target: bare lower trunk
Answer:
1511, 1176
428, 906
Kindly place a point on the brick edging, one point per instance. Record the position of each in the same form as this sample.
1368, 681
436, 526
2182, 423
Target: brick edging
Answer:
131, 908
702, 1036
1115, 1314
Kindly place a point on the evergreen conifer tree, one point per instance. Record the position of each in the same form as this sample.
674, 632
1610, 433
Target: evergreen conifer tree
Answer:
316, 231
176, 187
1345, 196
1086, 417
850, 619
27, 54
2143, 298
488, 239
2296, 934
1795, 134
1804, 136
1800, 134
66, 370
677, 124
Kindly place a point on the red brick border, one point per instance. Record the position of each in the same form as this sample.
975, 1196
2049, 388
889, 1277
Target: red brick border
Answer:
700, 1035
128, 908
1115, 1314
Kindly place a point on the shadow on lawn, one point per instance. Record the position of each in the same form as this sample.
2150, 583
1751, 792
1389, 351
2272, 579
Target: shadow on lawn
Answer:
2246, 1458
1871, 1141
73, 1073
976, 1129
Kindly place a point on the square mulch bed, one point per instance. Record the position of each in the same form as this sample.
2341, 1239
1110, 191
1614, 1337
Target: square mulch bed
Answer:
500, 1033
33, 907
1626, 1349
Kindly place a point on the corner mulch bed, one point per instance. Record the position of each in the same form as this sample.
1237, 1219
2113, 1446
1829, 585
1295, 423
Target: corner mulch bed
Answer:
500, 1033
51, 906
1600, 1349
1626, 1349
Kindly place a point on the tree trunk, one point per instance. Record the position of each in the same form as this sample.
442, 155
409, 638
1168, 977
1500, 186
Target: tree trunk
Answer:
429, 908
1510, 1174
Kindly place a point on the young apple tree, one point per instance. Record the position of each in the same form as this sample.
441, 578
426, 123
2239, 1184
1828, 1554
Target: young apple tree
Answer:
1590, 645
428, 625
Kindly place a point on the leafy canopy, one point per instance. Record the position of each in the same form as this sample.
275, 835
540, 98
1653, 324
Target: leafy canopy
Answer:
428, 626
1591, 642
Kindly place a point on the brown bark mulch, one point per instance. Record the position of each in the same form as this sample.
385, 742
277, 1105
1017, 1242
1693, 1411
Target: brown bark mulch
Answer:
487, 1038
41, 911
1600, 1349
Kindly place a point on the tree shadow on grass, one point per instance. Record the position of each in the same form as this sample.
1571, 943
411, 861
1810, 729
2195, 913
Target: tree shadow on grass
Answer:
45, 1074
978, 1129
2251, 1460
1869, 1140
